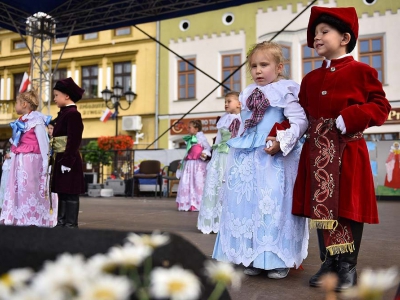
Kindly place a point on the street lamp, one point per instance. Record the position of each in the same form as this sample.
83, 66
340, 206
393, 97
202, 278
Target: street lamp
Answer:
114, 97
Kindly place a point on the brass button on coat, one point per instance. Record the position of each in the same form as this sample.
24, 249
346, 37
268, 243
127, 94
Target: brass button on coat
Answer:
324, 93
333, 69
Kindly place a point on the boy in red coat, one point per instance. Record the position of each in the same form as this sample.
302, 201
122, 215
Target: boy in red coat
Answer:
334, 186
67, 179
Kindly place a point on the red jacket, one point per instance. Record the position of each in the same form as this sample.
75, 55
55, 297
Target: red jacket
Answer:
351, 89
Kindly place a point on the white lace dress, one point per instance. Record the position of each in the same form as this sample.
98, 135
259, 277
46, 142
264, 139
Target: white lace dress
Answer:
210, 209
26, 199
192, 179
257, 225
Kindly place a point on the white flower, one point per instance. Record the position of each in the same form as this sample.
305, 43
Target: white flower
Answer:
106, 287
175, 283
66, 274
129, 255
99, 264
16, 278
4, 291
154, 240
31, 294
224, 273
372, 284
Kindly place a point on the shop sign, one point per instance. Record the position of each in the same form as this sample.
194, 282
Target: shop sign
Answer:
91, 110
209, 125
394, 116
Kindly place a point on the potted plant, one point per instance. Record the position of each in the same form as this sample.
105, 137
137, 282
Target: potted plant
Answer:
119, 143
96, 156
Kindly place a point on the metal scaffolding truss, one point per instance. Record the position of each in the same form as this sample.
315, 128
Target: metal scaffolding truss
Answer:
97, 15
72, 17
41, 28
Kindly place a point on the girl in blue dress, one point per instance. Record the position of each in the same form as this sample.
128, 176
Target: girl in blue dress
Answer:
257, 228
228, 124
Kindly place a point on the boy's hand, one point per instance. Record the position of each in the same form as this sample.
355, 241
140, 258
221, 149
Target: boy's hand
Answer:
203, 156
272, 146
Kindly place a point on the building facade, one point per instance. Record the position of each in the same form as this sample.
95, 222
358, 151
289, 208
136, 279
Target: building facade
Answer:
216, 43
95, 61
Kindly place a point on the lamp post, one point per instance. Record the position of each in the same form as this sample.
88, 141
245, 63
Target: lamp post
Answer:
114, 97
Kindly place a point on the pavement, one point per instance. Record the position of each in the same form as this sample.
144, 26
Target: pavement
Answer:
380, 246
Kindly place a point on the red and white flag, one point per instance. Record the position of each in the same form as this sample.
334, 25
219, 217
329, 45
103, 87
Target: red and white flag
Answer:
24, 83
106, 115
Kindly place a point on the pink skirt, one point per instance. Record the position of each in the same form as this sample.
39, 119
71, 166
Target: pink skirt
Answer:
26, 200
191, 185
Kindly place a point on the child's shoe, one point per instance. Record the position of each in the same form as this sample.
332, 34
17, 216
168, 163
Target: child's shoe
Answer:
278, 273
252, 271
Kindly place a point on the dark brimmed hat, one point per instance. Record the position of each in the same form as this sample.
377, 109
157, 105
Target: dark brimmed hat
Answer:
69, 87
343, 19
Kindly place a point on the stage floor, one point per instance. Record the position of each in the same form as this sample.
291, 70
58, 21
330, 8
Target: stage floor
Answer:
379, 249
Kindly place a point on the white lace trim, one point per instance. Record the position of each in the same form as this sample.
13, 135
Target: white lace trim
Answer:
32, 119
226, 120
202, 140
287, 141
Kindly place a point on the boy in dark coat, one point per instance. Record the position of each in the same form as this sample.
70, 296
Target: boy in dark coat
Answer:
67, 179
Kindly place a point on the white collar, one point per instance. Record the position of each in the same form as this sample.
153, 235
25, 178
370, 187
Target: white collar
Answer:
328, 62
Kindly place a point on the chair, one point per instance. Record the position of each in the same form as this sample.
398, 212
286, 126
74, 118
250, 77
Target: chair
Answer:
149, 169
170, 175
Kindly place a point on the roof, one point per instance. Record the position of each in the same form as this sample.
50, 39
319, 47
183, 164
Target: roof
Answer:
84, 16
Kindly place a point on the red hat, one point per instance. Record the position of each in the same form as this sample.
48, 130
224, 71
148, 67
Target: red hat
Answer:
69, 87
345, 15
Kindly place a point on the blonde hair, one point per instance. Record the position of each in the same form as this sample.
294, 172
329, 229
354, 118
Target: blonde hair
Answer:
196, 124
232, 93
274, 49
31, 97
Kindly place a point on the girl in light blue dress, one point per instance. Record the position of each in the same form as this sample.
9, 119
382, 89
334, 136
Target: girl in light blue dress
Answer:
228, 124
257, 228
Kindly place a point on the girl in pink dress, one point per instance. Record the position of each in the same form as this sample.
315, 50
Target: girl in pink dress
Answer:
26, 199
193, 171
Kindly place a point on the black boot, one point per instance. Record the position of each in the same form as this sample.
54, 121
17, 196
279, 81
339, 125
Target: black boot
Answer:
61, 213
329, 263
72, 212
347, 262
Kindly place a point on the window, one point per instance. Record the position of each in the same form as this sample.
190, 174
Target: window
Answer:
122, 31
122, 74
60, 40
184, 25
90, 36
376, 137
186, 79
59, 74
371, 53
229, 64
19, 45
17, 83
286, 66
89, 81
228, 19
311, 60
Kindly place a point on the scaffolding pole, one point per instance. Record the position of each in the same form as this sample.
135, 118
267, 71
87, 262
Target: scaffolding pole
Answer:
41, 27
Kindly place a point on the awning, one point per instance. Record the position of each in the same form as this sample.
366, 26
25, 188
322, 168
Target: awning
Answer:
86, 16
